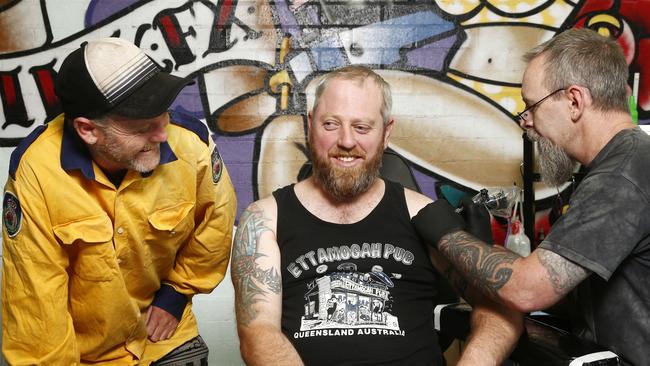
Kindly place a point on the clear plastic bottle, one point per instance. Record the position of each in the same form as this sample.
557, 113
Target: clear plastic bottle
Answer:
517, 241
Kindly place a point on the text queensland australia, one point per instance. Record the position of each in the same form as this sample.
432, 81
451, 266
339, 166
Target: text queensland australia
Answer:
347, 332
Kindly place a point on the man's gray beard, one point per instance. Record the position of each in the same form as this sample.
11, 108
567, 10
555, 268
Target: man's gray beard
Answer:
555, 166
346, 183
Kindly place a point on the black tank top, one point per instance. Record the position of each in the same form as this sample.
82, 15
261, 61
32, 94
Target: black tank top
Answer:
356, 294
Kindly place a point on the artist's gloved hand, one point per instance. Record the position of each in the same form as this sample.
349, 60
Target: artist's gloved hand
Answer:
477, 219
436, 220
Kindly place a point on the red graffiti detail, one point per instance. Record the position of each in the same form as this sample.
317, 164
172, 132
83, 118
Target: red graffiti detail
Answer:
170, 30
46, 82
224, 13
9, 90
599, 6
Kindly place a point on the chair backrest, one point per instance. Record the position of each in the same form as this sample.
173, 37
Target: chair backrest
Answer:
394, 167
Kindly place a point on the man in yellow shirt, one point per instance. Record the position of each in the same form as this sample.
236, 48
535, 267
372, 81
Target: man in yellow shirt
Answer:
115, 214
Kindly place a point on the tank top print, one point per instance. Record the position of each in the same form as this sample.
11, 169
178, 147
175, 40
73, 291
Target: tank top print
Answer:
356, 294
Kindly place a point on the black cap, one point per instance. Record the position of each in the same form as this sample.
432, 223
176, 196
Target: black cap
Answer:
111, 75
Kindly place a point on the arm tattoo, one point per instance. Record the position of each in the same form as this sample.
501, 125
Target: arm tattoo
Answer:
563, 274
251, 282
456, 280
488, 268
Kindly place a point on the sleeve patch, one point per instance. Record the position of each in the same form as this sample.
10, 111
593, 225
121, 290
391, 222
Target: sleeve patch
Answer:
217, 165
12, 214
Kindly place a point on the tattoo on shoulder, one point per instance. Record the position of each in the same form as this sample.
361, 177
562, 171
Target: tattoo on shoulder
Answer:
563, 274
252, 283
488, 268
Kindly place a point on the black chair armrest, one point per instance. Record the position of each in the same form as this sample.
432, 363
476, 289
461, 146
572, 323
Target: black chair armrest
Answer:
541, 343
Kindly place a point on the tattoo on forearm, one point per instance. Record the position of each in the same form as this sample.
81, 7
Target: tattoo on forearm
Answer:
488, 268
456, 280
563, 274
251, 282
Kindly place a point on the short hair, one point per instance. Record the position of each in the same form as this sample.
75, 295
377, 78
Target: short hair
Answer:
360, 74
101, 120
584, 57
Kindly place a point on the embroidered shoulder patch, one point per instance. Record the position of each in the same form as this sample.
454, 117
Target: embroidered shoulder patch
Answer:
217, 165
12, 214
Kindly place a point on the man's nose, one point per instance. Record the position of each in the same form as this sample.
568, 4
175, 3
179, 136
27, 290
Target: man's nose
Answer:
526, 123
159, 135
347, 139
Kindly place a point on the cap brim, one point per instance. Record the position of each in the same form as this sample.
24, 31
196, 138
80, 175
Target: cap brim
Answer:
153, 98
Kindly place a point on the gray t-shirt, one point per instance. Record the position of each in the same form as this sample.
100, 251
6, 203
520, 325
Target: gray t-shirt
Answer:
607, 230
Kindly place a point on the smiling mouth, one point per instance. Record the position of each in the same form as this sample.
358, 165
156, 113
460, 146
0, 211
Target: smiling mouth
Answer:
147, 149
346, 159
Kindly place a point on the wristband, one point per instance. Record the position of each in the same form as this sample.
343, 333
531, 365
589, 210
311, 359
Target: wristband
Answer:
168, 299
436, 220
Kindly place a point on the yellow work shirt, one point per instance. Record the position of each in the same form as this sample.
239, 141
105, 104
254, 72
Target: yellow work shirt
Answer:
83, 260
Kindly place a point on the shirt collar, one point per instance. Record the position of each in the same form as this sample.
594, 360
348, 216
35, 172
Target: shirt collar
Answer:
75, 155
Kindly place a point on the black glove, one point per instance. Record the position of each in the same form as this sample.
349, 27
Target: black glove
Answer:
477, 219
436, 220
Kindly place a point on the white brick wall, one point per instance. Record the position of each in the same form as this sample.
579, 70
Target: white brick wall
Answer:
216, 315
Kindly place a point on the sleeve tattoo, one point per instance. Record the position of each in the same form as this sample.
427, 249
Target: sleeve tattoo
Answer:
563, 274
252, 283
456, 280
488, 268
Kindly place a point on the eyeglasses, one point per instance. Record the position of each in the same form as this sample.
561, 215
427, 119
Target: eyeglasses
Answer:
525, 115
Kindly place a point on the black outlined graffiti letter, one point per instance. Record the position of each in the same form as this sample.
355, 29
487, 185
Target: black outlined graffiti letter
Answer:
44, 76
174, 36
12, 99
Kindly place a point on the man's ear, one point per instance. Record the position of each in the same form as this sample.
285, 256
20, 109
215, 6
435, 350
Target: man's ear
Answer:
309, 117
388, 129
580, 98
86, 129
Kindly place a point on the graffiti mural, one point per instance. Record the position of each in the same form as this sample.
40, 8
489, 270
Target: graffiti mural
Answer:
454, 66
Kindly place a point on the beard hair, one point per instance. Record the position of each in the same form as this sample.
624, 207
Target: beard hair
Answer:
113, 151
555, 166
345, 183
145, 165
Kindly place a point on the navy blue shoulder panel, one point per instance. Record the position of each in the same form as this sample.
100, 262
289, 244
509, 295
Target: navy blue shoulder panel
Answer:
19, 151
191, 123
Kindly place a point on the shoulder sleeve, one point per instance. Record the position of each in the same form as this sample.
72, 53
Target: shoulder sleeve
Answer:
19, 151
202, 262
191, 123
607, 218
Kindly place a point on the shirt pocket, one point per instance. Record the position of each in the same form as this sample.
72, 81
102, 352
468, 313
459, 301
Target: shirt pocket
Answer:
93, 240
174, 219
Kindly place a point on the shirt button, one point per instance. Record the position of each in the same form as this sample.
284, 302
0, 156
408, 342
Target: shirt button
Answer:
120, 230
119, 260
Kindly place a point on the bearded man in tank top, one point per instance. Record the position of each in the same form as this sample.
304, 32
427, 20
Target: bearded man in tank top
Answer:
345, 234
